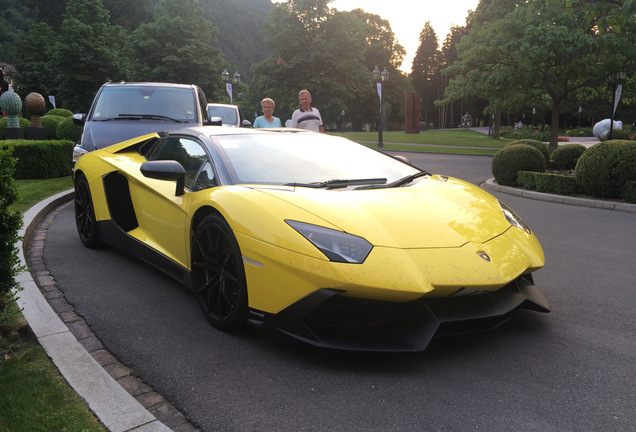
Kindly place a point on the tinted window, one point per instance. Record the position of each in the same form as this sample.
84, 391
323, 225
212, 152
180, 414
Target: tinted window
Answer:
187, 152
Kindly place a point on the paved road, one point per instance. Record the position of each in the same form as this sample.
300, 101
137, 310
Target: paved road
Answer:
571, 370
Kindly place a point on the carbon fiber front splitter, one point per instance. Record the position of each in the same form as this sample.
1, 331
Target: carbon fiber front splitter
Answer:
326, 318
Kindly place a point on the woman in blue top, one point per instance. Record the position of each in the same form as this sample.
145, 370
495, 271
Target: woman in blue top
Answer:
267, 120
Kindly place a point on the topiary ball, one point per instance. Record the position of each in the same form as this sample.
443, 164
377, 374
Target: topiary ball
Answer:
604, 169
60, 112
543, 148
67, 130
566, 156
508, 161
49, 123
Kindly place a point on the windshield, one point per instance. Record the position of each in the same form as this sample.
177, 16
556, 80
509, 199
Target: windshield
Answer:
304, 158
227, 114
147, 102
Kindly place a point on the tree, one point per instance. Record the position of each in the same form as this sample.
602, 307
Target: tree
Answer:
89, 51
32, 59
129, 14
331, 54
425, 71
179, 47
517, 54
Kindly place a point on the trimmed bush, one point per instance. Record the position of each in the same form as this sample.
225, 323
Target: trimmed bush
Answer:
67, 130
508, 161
525, 179
628, 193
60, 112
11, 224
49, 123
40, 159
604, 169
546, 182
555, 183
543, 148
566, 156
24, 124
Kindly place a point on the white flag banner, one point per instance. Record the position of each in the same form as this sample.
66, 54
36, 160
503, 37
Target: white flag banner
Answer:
617, 96
52, 100
228, 88
379, 86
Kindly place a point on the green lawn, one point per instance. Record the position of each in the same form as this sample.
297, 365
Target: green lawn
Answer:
34, 396
435, 141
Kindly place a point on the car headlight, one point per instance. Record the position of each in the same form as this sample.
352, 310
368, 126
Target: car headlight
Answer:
338, 246
78, 152
512, 217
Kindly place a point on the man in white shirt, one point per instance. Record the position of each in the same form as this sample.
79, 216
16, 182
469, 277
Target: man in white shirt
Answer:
306, 117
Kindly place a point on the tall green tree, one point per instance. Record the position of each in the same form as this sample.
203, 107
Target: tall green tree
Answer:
129, 14
425, 71
329, 53
178, 47
518, 54
88, 52
33, 53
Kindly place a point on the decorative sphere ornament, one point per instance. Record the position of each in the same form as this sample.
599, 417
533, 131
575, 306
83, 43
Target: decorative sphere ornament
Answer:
34, 103
12, 105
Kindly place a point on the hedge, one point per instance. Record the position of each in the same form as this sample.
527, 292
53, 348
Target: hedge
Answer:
604, 169
547, 182
41, 159
508, 161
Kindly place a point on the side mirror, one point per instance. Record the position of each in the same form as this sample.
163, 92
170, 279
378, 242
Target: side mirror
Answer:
215, 121
246, 123
402, 159
79, 119
170, 170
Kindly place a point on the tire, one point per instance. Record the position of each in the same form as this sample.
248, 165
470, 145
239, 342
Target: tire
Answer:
218, 275
85, 214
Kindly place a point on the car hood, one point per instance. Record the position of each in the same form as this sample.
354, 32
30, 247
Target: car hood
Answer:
436, 212
100, 134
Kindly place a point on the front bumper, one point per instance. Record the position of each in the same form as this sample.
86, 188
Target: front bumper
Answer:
326, 318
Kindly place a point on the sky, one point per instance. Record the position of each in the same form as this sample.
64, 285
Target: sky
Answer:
407, 18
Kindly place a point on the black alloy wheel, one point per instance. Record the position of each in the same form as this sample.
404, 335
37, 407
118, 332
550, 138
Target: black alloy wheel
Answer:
85, 214
218, 275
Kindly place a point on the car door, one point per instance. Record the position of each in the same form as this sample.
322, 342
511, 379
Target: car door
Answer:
161, 214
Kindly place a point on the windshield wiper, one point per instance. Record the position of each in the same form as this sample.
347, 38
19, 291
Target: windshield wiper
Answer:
338, 183
145, 117
400, 182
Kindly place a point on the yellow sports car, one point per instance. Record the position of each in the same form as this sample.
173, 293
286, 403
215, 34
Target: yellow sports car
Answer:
311, 236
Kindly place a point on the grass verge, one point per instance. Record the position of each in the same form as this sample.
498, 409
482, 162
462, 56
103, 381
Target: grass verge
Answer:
35, 397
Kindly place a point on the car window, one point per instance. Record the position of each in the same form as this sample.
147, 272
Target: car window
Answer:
206, 179
187, 152
280, 158
227, 114
175, 103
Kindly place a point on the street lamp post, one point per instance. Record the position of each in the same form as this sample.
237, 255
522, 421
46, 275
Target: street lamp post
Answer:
534, 111
379, 78
580, 111
236, 78
616, 79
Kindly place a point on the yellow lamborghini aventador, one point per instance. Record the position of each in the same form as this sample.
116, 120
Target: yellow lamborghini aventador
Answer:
311, 236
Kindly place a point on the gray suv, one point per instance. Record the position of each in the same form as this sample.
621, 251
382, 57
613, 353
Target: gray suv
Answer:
121, 111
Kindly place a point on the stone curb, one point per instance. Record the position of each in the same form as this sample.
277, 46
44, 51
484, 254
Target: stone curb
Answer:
120, 401
562, 199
